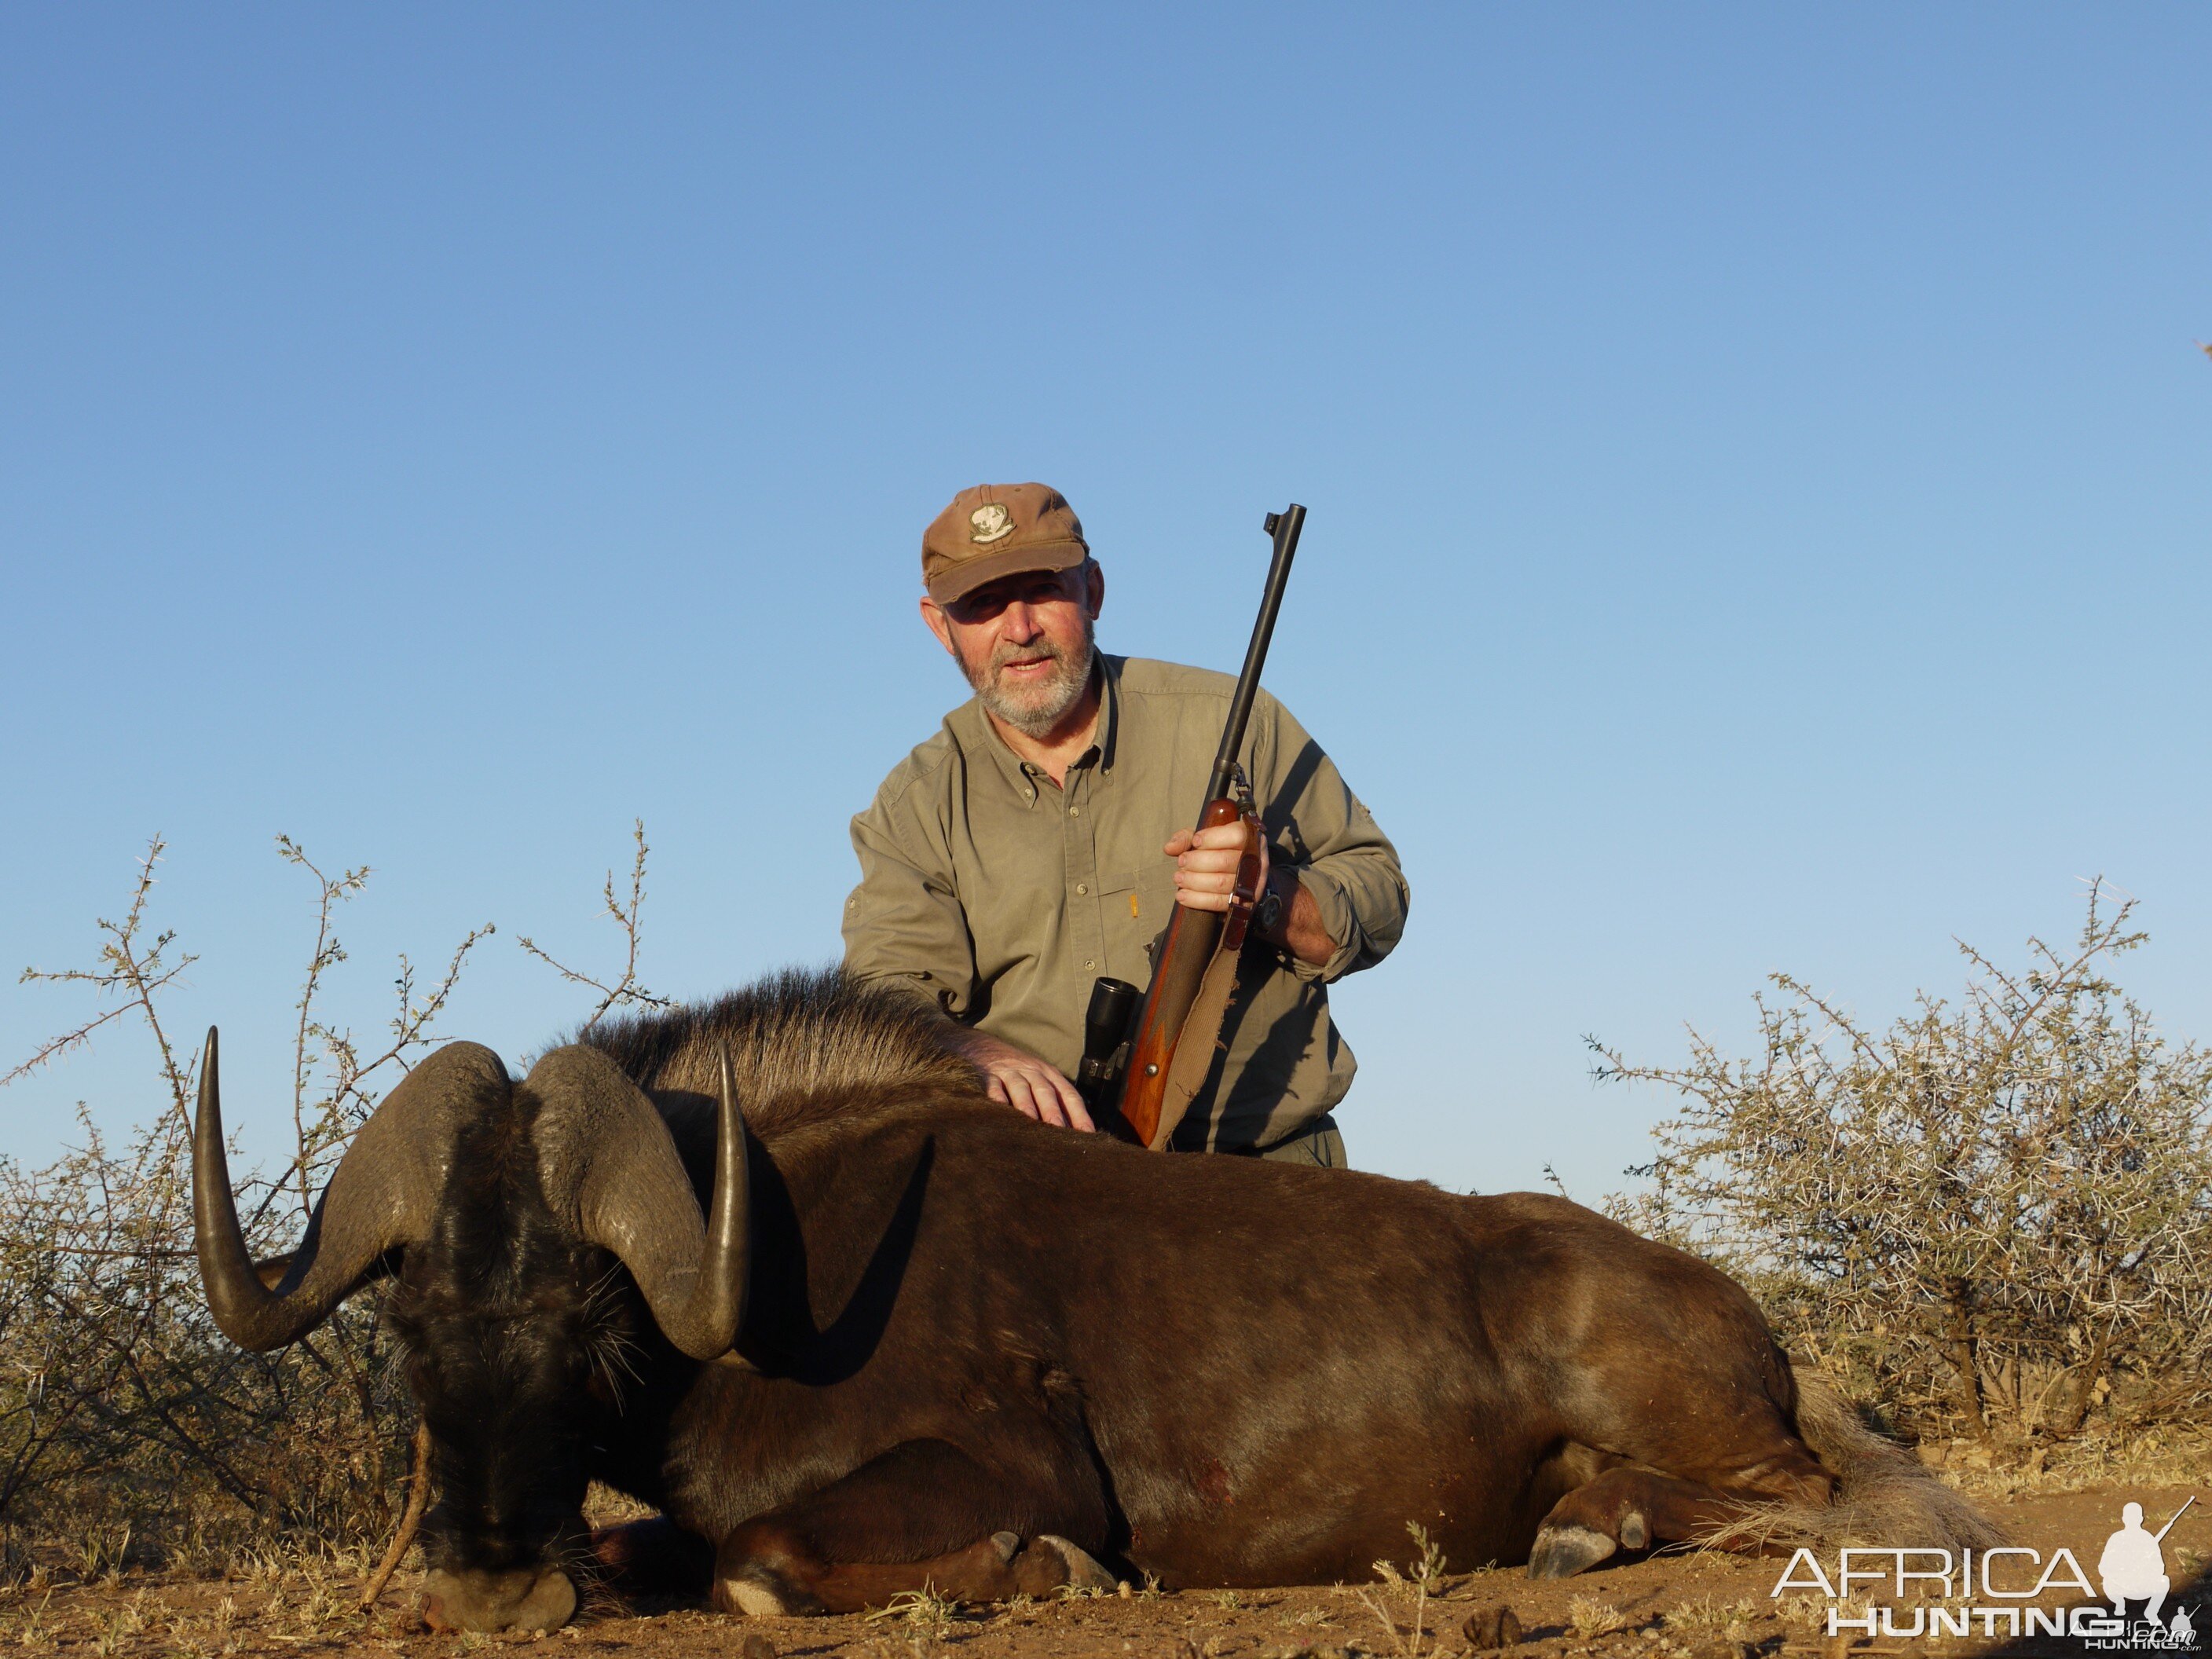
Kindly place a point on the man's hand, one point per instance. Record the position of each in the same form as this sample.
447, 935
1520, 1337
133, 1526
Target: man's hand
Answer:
1205, 866
1205, 879
1015, 1077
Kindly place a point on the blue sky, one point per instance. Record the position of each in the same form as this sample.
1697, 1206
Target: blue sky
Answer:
1756, 460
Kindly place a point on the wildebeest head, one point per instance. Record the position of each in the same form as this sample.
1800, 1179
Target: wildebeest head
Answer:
502, 1211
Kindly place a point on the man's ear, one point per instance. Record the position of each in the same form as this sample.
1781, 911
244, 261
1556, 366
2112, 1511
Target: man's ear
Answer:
1094, 589
940, 624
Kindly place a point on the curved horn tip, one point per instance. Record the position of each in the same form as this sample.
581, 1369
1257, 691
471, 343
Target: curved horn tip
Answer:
237, 1298
244, 1306
636, 1199
727, 1266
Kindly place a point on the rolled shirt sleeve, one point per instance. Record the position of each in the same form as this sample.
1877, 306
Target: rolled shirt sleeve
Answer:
1316, 824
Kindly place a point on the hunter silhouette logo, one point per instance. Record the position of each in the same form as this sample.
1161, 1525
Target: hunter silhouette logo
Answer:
990, 523
2133, 1566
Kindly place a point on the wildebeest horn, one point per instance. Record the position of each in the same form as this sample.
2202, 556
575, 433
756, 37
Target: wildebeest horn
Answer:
610, 1167
380, 1198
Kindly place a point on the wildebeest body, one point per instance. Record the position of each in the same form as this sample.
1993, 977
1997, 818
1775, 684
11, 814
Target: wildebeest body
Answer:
978, 1352
1227, 1370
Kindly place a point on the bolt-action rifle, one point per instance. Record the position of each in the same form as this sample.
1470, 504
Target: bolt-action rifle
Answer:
1162, 1063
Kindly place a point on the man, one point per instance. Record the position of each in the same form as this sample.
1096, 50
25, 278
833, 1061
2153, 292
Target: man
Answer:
1040, 839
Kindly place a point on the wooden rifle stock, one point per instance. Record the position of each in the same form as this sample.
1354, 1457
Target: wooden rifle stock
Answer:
1194, 937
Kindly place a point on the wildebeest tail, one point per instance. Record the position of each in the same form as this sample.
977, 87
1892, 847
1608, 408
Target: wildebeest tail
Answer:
1884, 1495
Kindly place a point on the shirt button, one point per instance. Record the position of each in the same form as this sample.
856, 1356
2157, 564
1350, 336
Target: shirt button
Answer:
1090, 965
1082, 887
1075, 811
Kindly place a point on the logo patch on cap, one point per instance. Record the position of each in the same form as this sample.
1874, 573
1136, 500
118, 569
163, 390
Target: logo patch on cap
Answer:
989, 523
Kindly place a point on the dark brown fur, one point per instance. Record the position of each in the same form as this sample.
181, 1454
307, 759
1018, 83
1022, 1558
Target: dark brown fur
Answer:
970, 1334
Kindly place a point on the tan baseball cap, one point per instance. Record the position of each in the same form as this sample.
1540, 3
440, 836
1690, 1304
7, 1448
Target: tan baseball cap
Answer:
998, 529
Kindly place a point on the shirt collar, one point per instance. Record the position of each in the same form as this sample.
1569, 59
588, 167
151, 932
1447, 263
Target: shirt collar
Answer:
1027, 780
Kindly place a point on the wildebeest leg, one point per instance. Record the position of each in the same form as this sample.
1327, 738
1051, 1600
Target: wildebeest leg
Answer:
1679, 1387
1751, 1461
924, 1515
652, 1557
1625, 1508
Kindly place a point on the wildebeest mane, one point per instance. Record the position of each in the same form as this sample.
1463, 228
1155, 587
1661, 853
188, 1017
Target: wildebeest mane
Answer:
796, 1040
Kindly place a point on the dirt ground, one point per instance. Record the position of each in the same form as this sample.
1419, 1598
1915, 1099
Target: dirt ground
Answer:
1689, 1606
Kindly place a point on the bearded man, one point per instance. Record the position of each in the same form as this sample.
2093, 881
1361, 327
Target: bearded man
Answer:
1040, 839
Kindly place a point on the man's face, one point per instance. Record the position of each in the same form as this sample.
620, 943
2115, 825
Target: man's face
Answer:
1025, 643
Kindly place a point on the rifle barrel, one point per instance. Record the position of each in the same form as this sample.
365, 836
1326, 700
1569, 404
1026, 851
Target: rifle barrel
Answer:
1285, 527
2159, 1537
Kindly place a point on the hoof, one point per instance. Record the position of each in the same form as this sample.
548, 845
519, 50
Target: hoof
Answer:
1563, 1552
1492, 1627
1635, 1531
760, 1595
1077, 1568
1008, 1544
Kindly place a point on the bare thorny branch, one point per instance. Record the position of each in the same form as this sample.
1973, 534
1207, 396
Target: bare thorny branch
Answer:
136, 971
626, 991
323, 1124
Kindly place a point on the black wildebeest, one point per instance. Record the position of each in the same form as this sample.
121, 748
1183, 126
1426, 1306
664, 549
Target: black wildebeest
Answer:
777, 1267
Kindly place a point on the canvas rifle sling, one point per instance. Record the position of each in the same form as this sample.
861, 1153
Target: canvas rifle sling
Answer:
1200, 1041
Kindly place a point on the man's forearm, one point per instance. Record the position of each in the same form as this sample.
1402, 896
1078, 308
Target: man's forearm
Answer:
1362, 896
1299, 929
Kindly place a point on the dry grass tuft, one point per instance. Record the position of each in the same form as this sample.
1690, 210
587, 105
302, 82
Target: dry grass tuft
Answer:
1591, 1617
1706, 1620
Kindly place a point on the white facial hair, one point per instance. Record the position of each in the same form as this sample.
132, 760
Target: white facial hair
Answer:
1034, 710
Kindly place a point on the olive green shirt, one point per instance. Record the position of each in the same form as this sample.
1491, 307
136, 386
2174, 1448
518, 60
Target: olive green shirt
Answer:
1002, 896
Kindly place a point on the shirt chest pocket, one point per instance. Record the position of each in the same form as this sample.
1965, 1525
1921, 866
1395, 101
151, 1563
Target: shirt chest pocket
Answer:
1137, 904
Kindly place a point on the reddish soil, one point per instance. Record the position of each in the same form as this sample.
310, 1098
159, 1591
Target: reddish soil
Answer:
1667, 1607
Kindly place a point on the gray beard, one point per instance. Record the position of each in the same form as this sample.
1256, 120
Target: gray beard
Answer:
1034, 712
